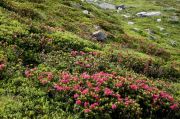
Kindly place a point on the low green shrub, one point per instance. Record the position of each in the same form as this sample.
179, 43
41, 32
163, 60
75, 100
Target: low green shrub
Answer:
68, 41
22, 11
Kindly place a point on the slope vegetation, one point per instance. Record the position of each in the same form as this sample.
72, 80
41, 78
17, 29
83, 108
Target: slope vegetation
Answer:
51, 66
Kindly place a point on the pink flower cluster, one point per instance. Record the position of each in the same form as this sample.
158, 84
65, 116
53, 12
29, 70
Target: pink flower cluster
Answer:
166, 96
114, 106
45, 77
76, 53
29, 72
104, 91
133, 87
85, 61
174, 107
82, 64
108, 91
85, 76
2, 66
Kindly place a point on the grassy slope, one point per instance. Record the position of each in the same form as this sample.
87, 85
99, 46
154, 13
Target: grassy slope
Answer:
64, 22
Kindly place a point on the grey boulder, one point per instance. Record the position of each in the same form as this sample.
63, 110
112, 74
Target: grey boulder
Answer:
122, 7
148, 14
85, 12
107, 6
99, 36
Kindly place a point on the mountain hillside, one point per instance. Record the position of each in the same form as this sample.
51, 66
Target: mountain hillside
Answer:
114, 59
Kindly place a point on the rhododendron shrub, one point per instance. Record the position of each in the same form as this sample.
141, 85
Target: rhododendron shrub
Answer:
105, 93
108, 62
89, 61
78, 61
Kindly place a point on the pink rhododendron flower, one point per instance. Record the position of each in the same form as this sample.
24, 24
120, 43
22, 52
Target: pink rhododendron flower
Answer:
96, 97
65, 76
97, 89
86, 104
108, 91
170, 98
74, 53
66, 88
49, 75
2, 66
113, 106
76, 87
82, 53
85, 76
28, 73
120, 99
100, 81
87, 65
118, 84
117, 95
93, 94
40, 77
101, 77
44, 82
128, 101
145, 86
89, 84
65, 81
75, 78
85, 91
134, 87
174, 106
45, 77
76, 95
77, 63
155, 97
94, 53
92, 106
166, 95
78, 102
141, 81
87, 110
58, 88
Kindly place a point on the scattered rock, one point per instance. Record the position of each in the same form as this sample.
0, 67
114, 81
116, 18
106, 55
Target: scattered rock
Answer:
148, 14
158, 20
107, 6
151, 37
174, 19
130, 23
76, 5
173, 43
161, 28
86, 12
99, 36
120, 7
102, 5
118, 11
126, 16
136, 29
89, 1
150, 32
